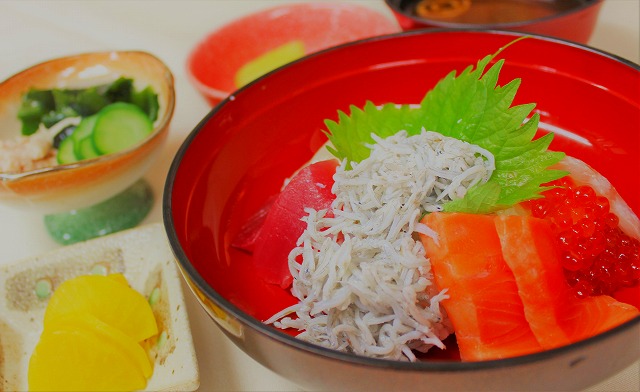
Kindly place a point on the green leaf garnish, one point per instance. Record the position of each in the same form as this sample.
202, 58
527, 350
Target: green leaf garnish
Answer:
351, 134
473, 108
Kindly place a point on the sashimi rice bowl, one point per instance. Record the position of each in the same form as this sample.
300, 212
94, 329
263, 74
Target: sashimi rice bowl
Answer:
420, 214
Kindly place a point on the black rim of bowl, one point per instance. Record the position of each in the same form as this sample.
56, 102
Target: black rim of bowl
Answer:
394, 5
193, 276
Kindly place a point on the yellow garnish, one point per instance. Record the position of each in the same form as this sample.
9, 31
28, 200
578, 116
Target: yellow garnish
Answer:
93, 338
110, 299
269, 61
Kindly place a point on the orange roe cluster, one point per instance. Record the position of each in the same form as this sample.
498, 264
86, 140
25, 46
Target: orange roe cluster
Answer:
597, 256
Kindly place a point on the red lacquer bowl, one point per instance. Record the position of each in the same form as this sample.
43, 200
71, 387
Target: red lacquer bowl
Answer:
214, 61
240, 154
575, 23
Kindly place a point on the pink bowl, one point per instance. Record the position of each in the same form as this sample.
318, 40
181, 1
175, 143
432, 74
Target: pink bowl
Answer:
242, 151
214, 61
574, 24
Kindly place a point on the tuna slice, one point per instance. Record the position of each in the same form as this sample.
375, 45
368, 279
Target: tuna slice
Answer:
309, 188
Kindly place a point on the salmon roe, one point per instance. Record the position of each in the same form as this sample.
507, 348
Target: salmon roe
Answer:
597, 256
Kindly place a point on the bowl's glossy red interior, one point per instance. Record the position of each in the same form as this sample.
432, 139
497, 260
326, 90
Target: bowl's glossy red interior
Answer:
241, 153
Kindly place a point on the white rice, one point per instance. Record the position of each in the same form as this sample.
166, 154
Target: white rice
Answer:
364, 283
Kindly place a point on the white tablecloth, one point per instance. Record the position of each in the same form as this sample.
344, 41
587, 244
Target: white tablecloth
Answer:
33, 31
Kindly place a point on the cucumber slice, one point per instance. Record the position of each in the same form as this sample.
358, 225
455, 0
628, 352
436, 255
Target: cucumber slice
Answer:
82, 141
85, 149
119, 126
66, 152
85, 128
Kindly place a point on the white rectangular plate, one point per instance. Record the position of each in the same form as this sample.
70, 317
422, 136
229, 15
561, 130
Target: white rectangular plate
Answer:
144, 257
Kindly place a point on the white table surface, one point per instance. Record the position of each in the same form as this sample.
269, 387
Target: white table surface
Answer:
33, 31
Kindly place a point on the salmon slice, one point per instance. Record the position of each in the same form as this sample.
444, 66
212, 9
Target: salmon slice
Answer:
594, 315
555, 315
484, 305
629, 295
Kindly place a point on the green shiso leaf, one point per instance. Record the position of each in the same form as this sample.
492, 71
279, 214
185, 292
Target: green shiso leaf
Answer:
471, 107
483, 197
351, 135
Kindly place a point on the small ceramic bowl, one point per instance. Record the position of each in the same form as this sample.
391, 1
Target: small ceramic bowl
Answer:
241, 153
144, 257
214, 61
568, 19
84, 183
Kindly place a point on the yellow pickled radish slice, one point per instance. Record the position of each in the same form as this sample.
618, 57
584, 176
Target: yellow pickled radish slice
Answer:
78, 352
119, 278
106, 298
269, 61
